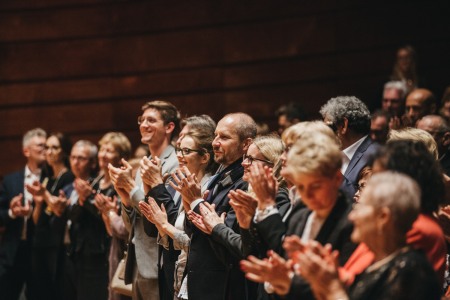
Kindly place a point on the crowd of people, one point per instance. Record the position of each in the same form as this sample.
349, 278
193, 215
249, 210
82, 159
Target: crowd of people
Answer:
352, 206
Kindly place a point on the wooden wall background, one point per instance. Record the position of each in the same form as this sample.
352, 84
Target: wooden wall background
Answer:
85, 67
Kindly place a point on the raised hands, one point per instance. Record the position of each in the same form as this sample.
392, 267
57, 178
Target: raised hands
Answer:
187, 185
274, 270
318, 265
244, 205
264, 185
58, 204
38, 191
151, 173
154, 213
208, 218
17, 208
105, 204
83, 189
122, 180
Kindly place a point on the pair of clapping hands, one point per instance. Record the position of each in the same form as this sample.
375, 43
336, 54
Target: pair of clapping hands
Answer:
56, 204
187, 184
264, 189
316, 263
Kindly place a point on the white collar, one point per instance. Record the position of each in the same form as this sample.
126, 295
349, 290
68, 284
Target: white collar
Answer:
28, 172
351, 150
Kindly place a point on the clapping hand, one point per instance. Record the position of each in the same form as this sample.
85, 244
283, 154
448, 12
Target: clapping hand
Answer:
274, 270
151, 173
83, 189
207, 219
122, 180
153, 212
264, 185
17, 208
187, 185
244, 205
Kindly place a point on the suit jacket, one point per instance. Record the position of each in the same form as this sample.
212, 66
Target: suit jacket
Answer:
213, 272
360, 159
12, 185
146, 247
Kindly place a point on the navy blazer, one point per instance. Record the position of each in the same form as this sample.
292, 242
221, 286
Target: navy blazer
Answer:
211, 274
12, 186
362, 158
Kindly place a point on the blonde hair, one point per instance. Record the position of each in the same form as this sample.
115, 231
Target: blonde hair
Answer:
415, 134
295, 132
271, 147
120, 143
316, 153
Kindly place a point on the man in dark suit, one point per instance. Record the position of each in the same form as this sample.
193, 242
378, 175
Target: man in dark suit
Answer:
15, 215
211, 270
350, 119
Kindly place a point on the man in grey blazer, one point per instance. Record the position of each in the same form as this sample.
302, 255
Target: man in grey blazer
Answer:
349, 117
158, 124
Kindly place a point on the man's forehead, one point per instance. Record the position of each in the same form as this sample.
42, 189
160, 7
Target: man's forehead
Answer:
391, 93
152, 112
82, 148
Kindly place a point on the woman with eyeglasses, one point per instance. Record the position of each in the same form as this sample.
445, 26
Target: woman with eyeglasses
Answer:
195, 156
49, 229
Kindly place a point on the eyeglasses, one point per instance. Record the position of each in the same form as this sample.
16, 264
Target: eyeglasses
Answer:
251, 159
53, 148
79, 158
141, 120
186, 151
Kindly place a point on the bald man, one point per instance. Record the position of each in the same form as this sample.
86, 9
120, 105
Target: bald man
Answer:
438, 127
419, 103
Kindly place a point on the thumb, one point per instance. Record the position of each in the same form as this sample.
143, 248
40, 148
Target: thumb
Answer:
163, 209
205, 194
126, 164
158, 161
223, 216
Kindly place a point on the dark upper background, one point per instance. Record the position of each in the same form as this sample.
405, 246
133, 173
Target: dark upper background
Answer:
85, 67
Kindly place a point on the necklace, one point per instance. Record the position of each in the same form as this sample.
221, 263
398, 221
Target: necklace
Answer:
55, 184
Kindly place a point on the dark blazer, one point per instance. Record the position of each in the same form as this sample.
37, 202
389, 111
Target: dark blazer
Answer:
362, 158
336, 231
12, 186
212, 271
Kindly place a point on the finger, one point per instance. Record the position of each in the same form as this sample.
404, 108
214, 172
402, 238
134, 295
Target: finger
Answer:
186, 171
205, 194
163, 208
174, 186
223, 216
158, 161
210, 207
126, 164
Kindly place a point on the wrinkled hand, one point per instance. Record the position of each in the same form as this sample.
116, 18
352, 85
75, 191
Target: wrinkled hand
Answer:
151, 173
17, 208
186, 184
264, 184
244, 205
153, 212
275, 270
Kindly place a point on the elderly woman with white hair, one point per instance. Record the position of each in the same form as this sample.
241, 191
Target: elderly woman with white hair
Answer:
387, 209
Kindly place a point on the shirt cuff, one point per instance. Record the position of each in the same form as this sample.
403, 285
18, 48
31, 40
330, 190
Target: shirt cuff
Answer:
196, 202
260, 215
10, 214
133, 191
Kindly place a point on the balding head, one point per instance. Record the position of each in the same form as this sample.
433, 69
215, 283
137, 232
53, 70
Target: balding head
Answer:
436, 126
419, 103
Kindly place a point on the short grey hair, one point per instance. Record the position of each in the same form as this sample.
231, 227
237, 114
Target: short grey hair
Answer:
399, 193
39, 132
350, 108
93, 150
397, 85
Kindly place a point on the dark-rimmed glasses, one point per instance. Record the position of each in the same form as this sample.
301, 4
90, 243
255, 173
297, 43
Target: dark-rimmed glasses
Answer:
250, 159
186, 151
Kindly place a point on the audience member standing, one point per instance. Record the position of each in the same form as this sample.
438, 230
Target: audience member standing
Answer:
158, 124
15, 215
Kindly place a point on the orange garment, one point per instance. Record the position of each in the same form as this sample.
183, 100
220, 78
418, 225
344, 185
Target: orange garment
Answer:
425, 234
